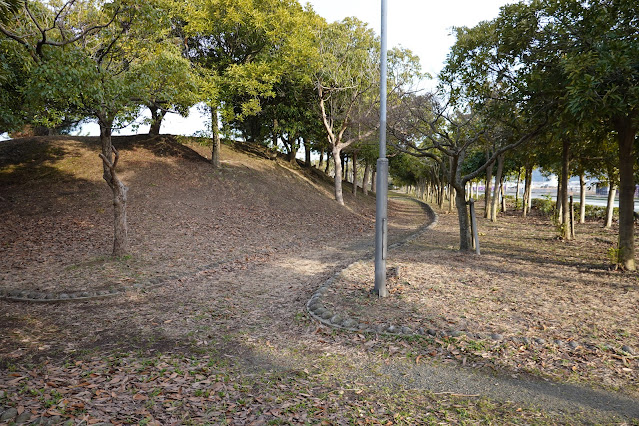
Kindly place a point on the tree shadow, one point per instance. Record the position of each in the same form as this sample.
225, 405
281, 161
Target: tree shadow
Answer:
24, 160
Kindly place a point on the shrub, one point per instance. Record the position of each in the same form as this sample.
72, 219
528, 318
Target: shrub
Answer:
545, 205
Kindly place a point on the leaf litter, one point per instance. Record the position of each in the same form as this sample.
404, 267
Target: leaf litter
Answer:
219, 344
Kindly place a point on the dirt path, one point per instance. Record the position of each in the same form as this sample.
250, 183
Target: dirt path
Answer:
301, 276
250, 324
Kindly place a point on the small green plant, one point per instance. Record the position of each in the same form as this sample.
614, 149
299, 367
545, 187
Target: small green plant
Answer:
614, 255
299, 317
474, 345
560, 227
54, 399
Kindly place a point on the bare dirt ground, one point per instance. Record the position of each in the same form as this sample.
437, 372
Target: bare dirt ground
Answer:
228, 341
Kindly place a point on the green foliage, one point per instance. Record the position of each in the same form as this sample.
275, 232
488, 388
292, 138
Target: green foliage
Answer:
97, 59
545, 205
244, 48
347, 77
14, 69
598, 212
406, 169
9, 8
602, 76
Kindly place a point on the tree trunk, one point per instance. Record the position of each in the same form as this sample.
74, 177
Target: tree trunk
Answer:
328, 162
465, 243
524, 198
565, 180
517, 190
354, 173
215, 134
503, 195
610, 206
106, 124
367, 175
530, 180
582, 198
120, 226
450, 199
487, 199
321, 159
338, 176
292, 151
626, 133
529, 202
374, 180
527, 191
344, 164
157, 115
559, 205
307, 154
495, 199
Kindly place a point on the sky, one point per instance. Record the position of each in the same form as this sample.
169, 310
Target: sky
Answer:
422, 26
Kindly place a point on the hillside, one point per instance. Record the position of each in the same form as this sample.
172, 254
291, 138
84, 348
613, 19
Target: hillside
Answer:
265, 312
183, 215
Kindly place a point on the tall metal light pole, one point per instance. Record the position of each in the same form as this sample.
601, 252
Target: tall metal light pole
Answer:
381, 211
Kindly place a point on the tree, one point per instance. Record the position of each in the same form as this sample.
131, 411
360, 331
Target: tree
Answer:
426, 128
105, 75
346, 84
369, 152
15, 66
174, 88
25, 40
601, 61
40, 25
580, 58
243, 48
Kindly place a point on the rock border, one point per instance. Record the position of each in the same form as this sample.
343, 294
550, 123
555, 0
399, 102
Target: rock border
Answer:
17, 295
341, 321
50, 297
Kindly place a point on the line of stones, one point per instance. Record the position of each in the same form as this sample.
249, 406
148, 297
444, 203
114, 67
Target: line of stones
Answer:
17, 295
320, 313
43, 297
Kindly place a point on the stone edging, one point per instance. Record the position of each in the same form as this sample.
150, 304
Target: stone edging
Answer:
320, 313
18, 295
47, 297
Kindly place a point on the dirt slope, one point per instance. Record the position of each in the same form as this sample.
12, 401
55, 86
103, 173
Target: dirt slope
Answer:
57, 213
